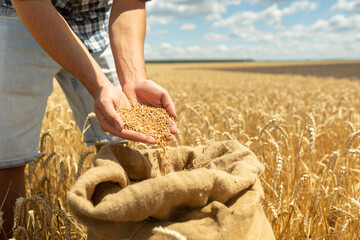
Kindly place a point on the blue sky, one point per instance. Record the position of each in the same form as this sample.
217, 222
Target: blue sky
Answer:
255, 29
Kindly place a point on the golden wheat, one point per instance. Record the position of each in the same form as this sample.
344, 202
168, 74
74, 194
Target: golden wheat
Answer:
303, 129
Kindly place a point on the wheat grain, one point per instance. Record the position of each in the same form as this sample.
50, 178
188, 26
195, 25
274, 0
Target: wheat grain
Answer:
332, 160
48, 158
66, 224
275, 144
280, 194
351, 138
355, 202
151, 121
17, 210
301, 181
351, 125
32, 167
273, 210
270, 123
340, 175
42, 140
279, 163
81, 162
31, 219
343, 229
62, 173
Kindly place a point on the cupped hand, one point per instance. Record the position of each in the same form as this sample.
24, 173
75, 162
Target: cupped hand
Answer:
107, 101
148, 92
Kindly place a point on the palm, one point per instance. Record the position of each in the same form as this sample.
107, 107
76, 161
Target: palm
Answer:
108, 100
149, 93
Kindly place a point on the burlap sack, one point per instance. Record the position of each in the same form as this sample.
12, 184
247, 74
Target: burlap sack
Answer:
212, 192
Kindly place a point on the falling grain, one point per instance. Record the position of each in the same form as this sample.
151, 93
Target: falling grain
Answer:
151, 121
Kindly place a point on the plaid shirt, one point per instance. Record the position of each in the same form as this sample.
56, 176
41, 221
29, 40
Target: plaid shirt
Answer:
87, 18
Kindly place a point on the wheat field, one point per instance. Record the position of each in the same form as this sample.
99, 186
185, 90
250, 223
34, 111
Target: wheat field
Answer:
304, 129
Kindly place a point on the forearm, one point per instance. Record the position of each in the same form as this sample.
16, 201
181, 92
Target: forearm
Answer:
127, 29
55, 36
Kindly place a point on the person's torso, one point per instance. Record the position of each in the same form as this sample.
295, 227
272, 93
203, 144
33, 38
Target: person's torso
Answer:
87, 18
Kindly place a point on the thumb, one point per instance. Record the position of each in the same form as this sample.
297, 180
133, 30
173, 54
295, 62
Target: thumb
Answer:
108, 111
168, 104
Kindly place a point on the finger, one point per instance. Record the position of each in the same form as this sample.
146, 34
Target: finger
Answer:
126, 134
168, 137
137, 137
110, 114
173, 129
168, 104
105, 125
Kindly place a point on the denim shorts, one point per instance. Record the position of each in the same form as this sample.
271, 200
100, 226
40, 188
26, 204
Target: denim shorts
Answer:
26, 81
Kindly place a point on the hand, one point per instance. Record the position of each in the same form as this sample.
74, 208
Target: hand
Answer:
108, 99
147, 92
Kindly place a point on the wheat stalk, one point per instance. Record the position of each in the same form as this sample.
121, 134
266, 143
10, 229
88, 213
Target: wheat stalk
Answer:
299, 184
273, 210
81, 162
270, 114
350, 140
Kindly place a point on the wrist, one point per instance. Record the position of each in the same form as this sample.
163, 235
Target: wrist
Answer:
99, 84
130, 72
132, 84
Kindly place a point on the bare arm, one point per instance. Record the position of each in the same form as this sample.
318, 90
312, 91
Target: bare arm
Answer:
127, 29
55, 36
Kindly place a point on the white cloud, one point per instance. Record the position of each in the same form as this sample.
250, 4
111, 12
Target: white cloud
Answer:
188, 26
253, 35
222, 48
336, 37
164, 11
287, 50
162, 32
165, 46
338, 31
272, 15
265, 1
299, 6
342, 23
194, 49
351, 6
357, 37
214, 37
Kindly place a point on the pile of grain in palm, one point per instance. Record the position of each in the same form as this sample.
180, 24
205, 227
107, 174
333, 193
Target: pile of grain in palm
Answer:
151, 121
